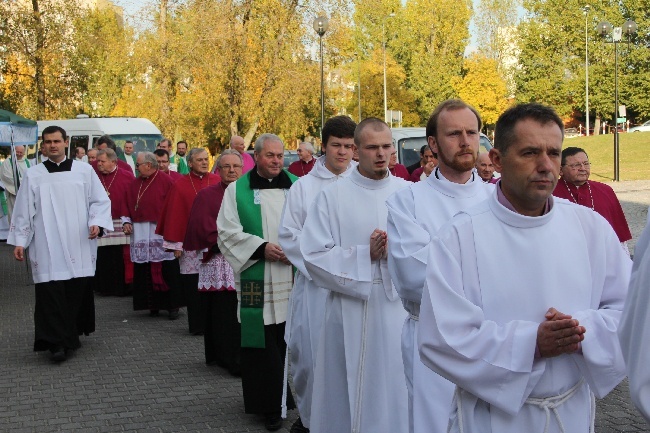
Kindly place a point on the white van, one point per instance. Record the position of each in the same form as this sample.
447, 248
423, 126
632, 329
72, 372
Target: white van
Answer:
409, 141
84, 131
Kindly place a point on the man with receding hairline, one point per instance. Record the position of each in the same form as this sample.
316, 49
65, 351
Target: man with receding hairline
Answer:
358, 385
248, 224
528, 335
415, 215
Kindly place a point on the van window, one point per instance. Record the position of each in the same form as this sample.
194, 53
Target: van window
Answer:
409, 149
78, 141
141, 142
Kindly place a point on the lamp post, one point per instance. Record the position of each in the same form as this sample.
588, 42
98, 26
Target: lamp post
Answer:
320, 25
604, 29
383, 37
586, 10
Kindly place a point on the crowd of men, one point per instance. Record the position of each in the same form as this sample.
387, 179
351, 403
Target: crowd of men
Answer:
428, 298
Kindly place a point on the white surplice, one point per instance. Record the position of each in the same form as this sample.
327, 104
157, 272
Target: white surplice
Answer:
358, 380
634, 330
238, 246
307, 301
414, 217
52, 216
491, 276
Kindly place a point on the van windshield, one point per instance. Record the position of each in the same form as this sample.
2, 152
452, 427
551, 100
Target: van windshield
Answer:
409, 149
141, 142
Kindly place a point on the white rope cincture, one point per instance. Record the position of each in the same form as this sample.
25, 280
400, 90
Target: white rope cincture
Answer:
414, 317
356, 425
283, 413
548, 404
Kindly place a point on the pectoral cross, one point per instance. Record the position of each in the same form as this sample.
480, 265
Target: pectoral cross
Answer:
251, 293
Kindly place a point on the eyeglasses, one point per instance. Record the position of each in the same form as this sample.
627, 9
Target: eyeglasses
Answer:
138, 164
577, 165
231, 167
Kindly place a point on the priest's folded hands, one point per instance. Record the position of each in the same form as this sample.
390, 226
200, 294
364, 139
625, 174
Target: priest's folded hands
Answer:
559, 334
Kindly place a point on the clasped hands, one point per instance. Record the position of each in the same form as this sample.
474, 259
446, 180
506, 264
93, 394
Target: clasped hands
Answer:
378, 245
559, 334
274, 253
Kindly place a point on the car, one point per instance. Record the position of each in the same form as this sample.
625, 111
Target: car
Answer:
644, 127
571, 133
409, 141
289, 156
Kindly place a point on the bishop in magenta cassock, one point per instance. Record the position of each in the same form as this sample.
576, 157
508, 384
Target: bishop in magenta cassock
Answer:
114, 274
574, 185
155, 271
173, 224
61, 209
216, 287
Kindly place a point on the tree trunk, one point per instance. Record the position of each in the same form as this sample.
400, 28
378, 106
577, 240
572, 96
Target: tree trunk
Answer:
597, 126
39, 68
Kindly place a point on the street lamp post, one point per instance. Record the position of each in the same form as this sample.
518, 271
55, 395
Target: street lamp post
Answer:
320, 25
383, 37
604, 29
586, 9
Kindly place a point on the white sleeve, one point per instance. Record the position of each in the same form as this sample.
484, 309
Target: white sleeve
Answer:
492, 361
293, 218
236, 246
602, 363
408, 246
99, 205
343, 270
634, 329
21, 229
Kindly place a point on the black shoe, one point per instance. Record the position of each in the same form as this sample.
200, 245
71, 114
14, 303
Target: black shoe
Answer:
154, 313
173, 314
297, 427
58, 354
235, 370
273, 421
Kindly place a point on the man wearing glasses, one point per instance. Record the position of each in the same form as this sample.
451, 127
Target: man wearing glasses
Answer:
575, 186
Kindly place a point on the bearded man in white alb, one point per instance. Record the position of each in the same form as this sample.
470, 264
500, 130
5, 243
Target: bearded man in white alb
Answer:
358, 385
524, 293
415, 215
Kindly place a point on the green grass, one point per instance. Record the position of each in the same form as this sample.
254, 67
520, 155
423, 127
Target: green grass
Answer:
633, 150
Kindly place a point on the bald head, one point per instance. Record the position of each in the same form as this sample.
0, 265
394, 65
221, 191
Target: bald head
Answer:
484, 166
20, 152
237, 143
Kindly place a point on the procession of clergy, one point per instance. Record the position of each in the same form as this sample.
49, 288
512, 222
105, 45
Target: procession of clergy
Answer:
453, 303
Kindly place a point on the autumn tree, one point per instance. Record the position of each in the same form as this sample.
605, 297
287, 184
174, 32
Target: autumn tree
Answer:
482, 86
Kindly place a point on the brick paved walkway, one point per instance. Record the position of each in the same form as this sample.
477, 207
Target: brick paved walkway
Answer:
143, 374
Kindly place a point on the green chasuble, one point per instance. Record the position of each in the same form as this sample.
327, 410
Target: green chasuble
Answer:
251, 310
181, 165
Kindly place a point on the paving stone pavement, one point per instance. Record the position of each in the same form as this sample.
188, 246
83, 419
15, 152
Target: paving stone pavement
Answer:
143, 374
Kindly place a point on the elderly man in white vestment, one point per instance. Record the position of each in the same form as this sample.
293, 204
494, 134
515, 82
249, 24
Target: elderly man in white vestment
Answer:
634, 331
307, 302
527, 332
414, 217
247, 225
7, 175
358, 380
59, 211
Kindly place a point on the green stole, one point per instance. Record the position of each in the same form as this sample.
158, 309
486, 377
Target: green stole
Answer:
251, 280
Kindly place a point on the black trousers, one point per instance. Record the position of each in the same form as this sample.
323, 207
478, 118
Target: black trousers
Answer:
262, 373
222, 329
195, 308
146, 298
63, 310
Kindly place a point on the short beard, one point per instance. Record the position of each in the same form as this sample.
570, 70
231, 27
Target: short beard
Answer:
456, 165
